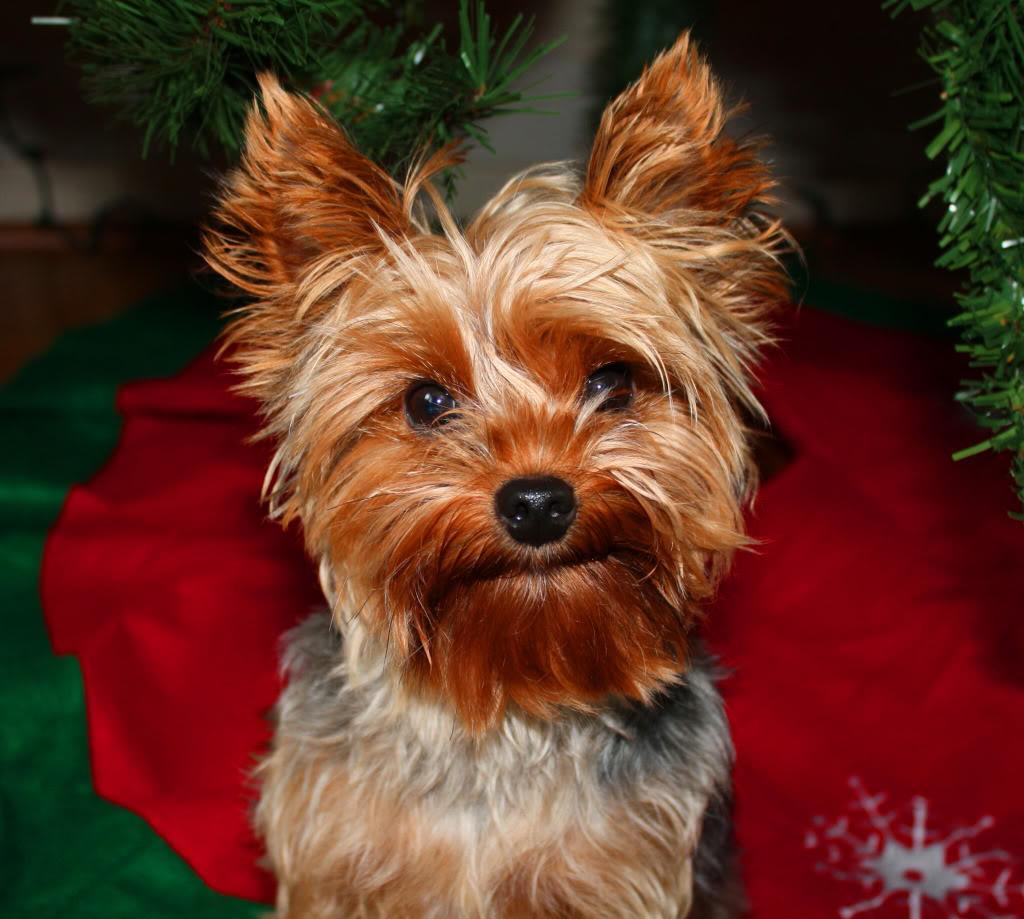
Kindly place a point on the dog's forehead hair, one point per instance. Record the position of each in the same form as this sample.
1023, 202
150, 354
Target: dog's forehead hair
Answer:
532, 300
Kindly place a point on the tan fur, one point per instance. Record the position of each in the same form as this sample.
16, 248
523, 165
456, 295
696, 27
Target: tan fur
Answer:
488, 659
391, 859
500, 825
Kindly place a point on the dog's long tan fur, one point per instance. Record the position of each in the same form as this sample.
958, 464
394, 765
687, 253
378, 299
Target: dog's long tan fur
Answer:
492, 728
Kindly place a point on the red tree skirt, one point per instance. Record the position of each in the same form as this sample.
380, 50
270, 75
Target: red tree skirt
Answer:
875, 637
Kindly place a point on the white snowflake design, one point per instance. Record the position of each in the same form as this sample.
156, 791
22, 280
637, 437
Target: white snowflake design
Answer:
903, 863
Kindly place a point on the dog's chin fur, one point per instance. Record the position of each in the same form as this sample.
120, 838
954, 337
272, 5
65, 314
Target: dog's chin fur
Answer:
569, 636
655, 257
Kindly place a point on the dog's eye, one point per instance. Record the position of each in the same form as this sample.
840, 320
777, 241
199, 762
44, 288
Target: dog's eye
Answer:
612, 384
428, 404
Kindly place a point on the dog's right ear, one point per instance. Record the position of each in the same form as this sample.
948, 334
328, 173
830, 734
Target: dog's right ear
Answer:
302, 191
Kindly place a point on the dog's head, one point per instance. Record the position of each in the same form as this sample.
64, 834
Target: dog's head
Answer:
518, 449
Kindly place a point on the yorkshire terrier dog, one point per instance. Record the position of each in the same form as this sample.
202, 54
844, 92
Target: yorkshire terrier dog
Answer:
518, 452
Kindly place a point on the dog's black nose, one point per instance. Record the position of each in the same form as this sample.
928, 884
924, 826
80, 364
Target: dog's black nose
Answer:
536, 510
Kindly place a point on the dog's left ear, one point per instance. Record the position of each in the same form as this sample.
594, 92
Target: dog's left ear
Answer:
661, 147
663, 172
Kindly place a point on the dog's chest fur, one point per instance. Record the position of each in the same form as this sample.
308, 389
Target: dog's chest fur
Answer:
391, 809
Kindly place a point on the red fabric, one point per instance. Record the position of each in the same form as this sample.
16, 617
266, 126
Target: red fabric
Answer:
164, 579
876, 632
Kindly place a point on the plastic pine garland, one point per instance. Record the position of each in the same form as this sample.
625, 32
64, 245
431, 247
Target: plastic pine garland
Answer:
976, 47
184, 70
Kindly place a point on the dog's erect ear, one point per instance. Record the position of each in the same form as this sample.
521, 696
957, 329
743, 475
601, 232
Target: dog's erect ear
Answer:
663, 171
302, 190
660, 147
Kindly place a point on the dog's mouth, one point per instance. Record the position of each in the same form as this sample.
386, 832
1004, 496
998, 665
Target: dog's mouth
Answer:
551, 562
539, 567
612, 547
625, 541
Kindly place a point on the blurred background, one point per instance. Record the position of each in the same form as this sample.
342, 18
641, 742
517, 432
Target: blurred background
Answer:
88, 226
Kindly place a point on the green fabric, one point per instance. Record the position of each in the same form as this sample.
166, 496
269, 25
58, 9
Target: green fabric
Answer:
64, 852
870, 307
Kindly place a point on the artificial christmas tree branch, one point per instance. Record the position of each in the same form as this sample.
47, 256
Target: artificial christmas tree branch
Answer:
976, 47
184, 70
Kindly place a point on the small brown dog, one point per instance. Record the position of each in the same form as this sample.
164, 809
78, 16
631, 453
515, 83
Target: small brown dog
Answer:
517, 452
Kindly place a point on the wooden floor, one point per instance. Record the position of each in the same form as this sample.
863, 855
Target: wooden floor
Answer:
53, 280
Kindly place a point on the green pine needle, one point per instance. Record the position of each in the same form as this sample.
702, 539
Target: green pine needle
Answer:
184, 71
976, 48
